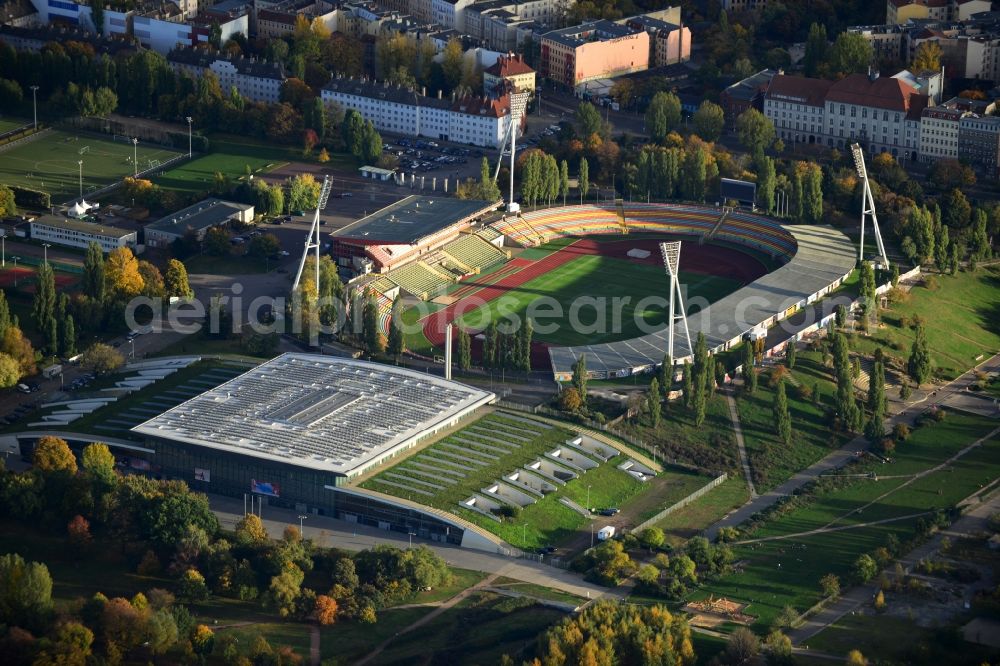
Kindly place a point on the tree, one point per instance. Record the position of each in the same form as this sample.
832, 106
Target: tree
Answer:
830, 585
43, 306
98, 462
67, 337
202, 640
324, 156
588, 121
919, 365
790, 355
927, 57
122, 273
10, 371
749, 375
569, 400
25, 592
78, 531
700, 380
583, 179
175, 280
370, 326
782, 420
851, 54
53, 455
755, 130
662, 116
464, 349
488, 189
18, 347
709, 121
580, 377
855, 658
284, 590
653, 402
192, 585
778, 648
687, 384
865, 568
817, 47
250, 530
875, 430
93, 272
563, 180
325, 610
743, 646
395, 344
652, 537
102, 359
152, 280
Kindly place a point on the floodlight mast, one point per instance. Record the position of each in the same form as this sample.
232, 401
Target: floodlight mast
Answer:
671, 260
312, 240
518, 102
867, 207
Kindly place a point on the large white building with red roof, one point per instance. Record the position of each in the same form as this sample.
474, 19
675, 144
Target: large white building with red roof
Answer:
883, 114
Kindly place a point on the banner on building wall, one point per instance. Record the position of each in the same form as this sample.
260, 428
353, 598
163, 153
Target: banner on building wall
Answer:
265, 488
202, 475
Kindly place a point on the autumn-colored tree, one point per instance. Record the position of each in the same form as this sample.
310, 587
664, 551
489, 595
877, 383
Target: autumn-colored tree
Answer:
52, 454
70, 646
325, 610
17, 346
10, 370
121, 273
192, 585
323, 156
830, 585
250, 530
98, 462
855, 658
175, 280
202, 640
569, 400
78, 532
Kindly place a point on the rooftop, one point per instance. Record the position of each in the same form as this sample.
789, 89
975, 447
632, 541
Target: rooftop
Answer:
98, 229
199, 57
321, 412
411, 219
749, 87
202, 215
799, 89
509, 65
881, 92
383, 90
592, 31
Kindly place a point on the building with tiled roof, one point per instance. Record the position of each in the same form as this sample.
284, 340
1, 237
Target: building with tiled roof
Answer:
901, 11
257, 80
746, 94
511, 69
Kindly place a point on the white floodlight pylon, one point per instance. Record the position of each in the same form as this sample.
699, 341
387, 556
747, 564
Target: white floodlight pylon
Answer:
518, 102
312, 240
671, 260
867, 207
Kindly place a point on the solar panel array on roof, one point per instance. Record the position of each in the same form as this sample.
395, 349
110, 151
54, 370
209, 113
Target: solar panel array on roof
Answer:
320, 411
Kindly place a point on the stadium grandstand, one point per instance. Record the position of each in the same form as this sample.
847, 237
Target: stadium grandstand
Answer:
814, 261
403, 232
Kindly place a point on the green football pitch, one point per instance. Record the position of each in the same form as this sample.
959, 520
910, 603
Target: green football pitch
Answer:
8, 124
593, 299
51, 163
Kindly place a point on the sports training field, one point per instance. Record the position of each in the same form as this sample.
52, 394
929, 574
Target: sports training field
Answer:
50, 163
8, 124
592, 289
230, 157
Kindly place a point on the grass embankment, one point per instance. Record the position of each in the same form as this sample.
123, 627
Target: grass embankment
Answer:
692, 519
787, 571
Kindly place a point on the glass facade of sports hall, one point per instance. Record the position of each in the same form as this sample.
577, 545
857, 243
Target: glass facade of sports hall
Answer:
287, 486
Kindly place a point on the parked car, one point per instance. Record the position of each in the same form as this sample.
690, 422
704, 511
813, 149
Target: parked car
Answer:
612, 511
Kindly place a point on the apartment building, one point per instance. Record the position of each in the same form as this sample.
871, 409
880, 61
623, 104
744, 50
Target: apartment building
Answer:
669, 43
511, 69
478, 121
277, 19
593, 50
939, 128
979, 141
746, 94
256, 80
901, 11
743, 5
796, 105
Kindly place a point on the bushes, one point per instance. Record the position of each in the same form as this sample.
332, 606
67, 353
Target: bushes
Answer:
28, 198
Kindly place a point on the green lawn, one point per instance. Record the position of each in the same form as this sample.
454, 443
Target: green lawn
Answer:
478, 630
196, 343
50, 164
8, 124
606, 279
787, 571
537, 591
770, 461
961, 318
690, 520
348, 642
544, 522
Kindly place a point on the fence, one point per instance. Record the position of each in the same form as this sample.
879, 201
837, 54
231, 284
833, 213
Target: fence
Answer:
29, 260
118, 183
681, 503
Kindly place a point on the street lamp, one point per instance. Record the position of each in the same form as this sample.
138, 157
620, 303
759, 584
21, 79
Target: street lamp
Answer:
80, 162
591, 534
588, 498
15, 270
301, 518
34, 101
524, 534
3, 251
131, 353
45, 249
135, 156
189, 136
411, 535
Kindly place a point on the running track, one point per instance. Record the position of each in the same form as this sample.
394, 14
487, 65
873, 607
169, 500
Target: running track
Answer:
705, 259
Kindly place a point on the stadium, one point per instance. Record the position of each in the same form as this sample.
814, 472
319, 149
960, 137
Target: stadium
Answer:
741, 273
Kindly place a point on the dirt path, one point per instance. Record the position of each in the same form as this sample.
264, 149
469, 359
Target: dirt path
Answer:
314, 652
441, 608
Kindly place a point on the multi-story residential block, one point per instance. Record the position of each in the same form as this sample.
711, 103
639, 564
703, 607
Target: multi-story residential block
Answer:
979, 141
939, 127
669, 43
276, 19
889, 41
478, 121
883, 114
76, 233
511, 69
594, 50
746, 94
256, 80
19, 14
743, 5
901, 11
449, 13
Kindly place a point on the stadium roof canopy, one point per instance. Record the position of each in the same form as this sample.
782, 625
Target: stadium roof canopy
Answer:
411, 219
823, 256
321, 412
